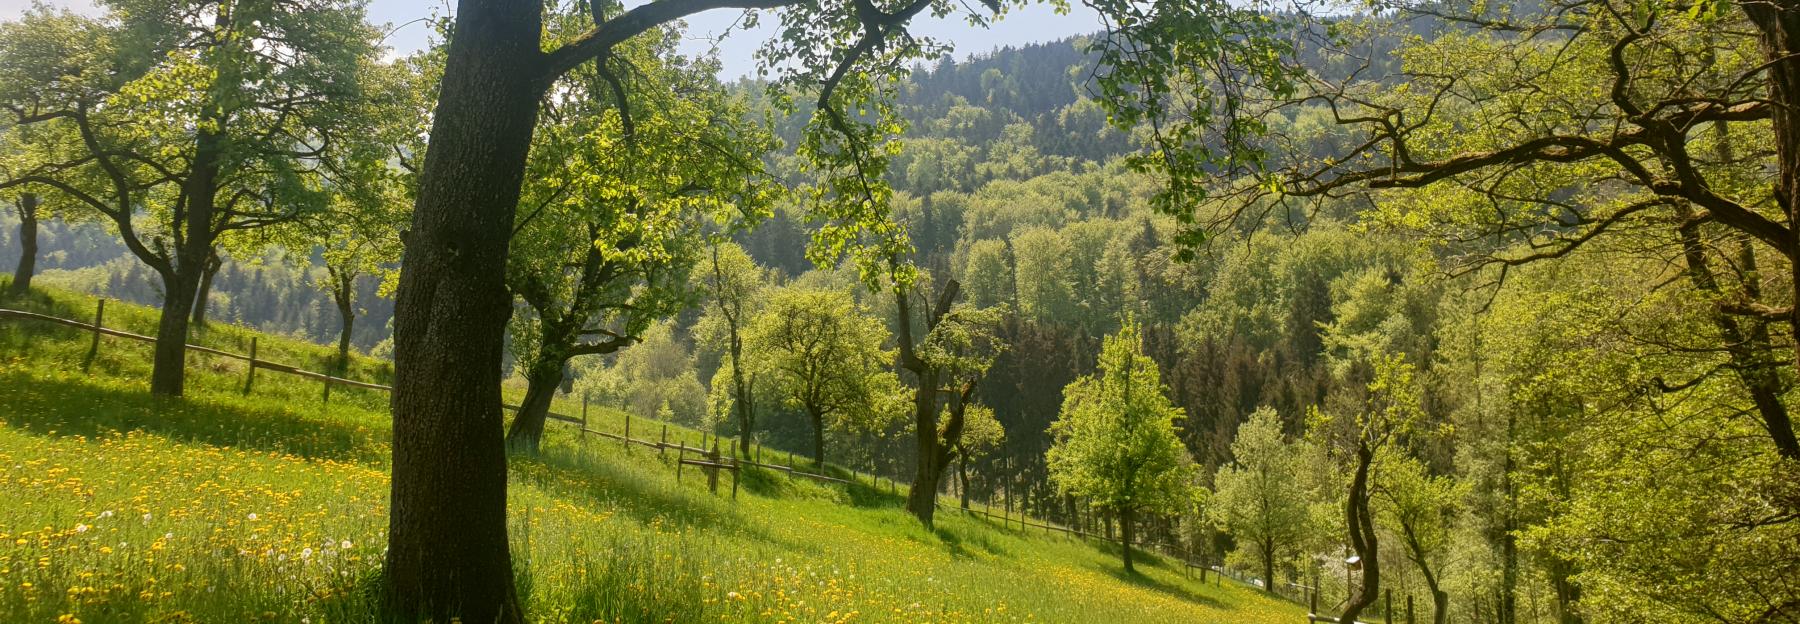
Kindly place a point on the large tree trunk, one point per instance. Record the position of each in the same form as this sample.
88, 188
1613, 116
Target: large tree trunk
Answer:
921, 498
205, 291
527, 432
447, 543
28, 245
343, 294
169, 366
1126, 533
194, 247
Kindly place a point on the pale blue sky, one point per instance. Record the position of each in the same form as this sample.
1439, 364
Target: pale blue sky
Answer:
1033, 24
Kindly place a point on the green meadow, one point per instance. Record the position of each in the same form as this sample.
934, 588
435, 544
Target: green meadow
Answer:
221, 506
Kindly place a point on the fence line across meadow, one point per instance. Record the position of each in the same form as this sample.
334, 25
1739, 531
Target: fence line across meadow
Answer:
98, 329
710, 460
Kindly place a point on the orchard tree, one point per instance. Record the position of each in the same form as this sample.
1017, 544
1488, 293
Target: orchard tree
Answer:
196, 119
637, 158
824, 354
981, 435
955, 356
1115, 441
27, 206
1259, 498
18, 148
46, 58
733, 283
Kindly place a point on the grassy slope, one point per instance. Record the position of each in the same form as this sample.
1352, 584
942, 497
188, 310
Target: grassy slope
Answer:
116, 506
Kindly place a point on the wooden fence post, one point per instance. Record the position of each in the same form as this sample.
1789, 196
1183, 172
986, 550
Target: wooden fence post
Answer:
250, 377
712, 472
94, 348
680, 454
627, 437
1387, 609
1409, 609
664, 447
584, 413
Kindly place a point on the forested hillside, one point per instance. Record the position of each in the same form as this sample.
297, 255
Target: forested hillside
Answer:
1487, 309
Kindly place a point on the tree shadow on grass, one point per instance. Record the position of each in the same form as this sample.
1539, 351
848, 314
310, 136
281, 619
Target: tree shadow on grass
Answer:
964, 544
1139, 579
78, 406
866, 496
647, 499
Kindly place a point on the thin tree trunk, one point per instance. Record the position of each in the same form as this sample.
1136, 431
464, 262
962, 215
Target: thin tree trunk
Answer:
1746, 340
1568, 594
205, 292
962, 473
818, 427
746, 409
342, 294
447, 542
28, 245
1126, 533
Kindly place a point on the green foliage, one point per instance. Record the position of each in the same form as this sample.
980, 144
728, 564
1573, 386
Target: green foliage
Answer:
825, 355
641, 157
1258, 498
656, 375
1115, 437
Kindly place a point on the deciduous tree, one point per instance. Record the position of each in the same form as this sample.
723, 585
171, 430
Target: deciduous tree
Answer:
1115, 438
826, 356
1259, 497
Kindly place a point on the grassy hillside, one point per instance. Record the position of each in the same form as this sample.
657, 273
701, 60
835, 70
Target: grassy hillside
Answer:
224, 507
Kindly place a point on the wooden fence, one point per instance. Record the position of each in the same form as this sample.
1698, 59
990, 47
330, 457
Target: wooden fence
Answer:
709, 460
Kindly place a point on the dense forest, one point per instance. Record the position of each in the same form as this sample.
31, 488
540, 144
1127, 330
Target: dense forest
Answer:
1496, 302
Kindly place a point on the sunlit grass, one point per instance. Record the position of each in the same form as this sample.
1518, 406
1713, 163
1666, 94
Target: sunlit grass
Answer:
220, 507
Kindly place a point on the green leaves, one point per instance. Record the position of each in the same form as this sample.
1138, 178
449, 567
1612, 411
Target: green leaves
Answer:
1115, 438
